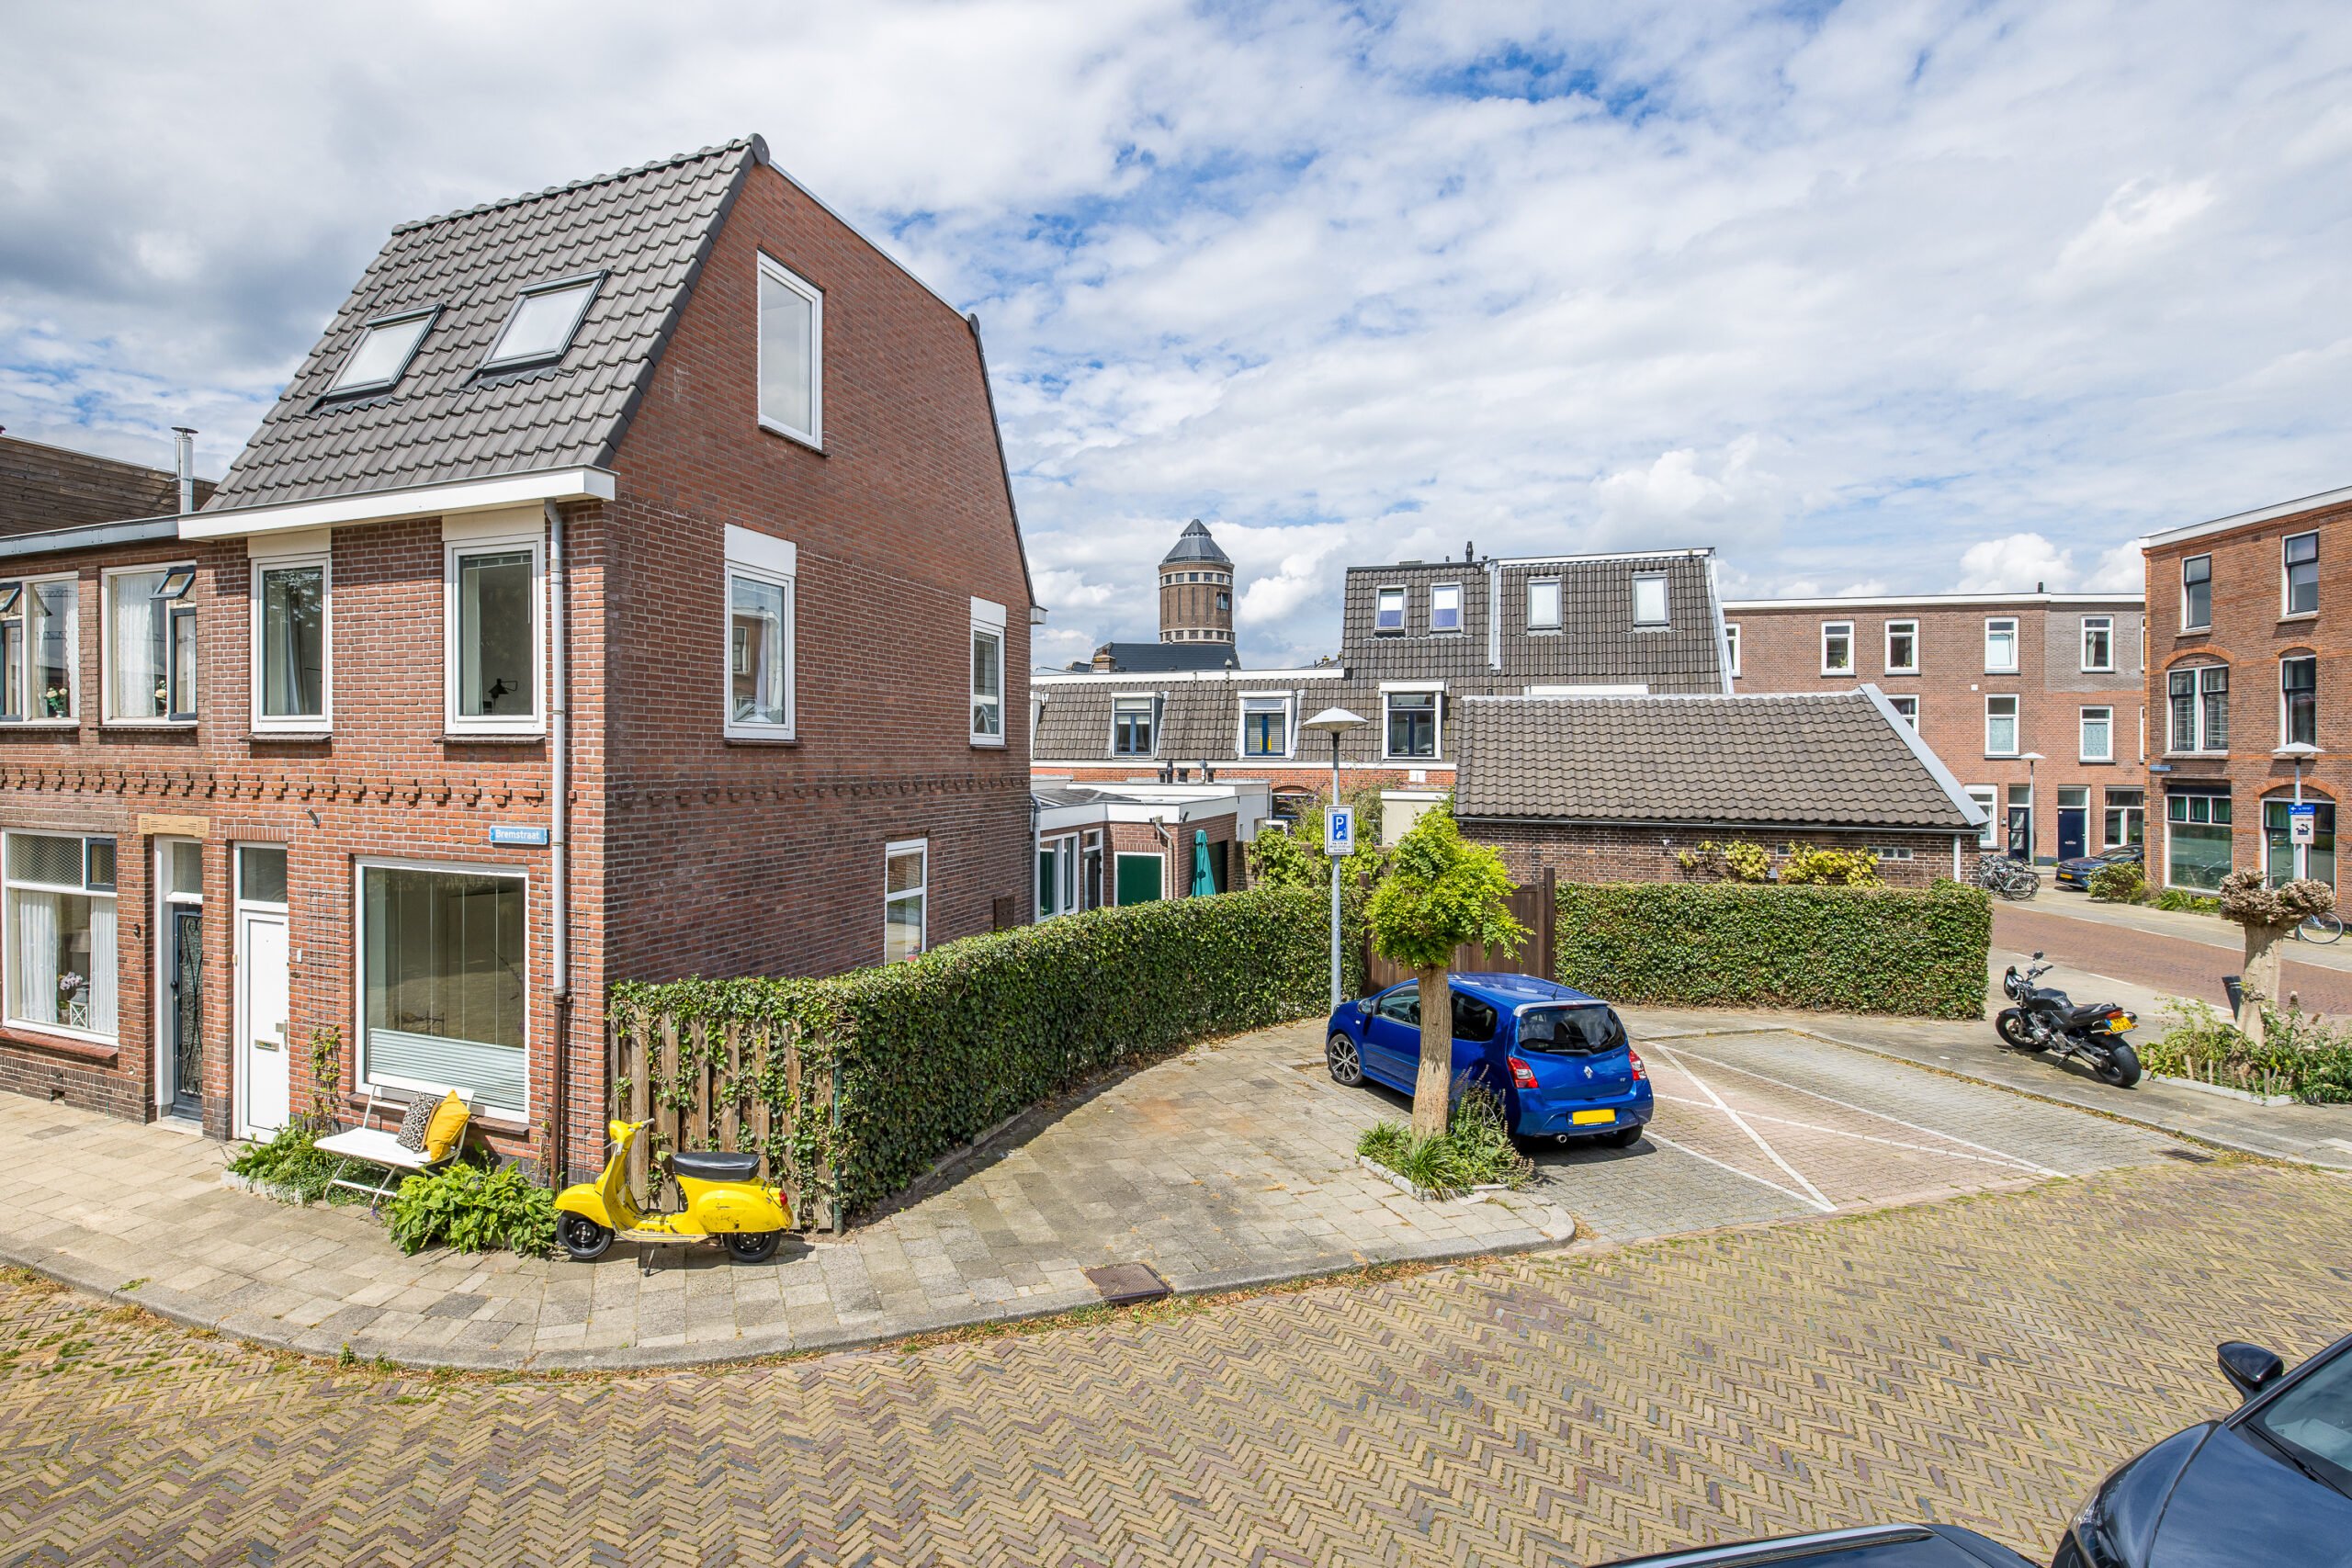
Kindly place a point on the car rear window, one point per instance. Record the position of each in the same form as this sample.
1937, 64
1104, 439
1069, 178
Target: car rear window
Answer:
1584, 1029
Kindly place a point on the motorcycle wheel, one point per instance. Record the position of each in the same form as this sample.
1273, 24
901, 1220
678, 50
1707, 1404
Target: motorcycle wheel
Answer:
582, 1238
2121, 1067
754, 1246
2010, 1024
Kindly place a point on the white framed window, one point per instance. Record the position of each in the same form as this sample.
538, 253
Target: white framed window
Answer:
2298, 574
1265, 724
1410, 732
542, 324
1649, 599
1906, 709
1985, 797
2198, 831
2197, 594
792, 354
1135, 724
1892, 852
988, 672
1731, 644
41, 664
382, 356
494, 654
2199, 698
62, 957
293, 642
2099, 644
1388, 610
1837, 648
147, 643
2124, 821
2097, 727
1445, 607
444, 974
2299, 700
2001, 645
905, 894
2001, 727
1902, 647
1544, 605
762, 572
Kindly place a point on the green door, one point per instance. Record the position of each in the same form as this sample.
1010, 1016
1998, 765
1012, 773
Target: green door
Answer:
1140, 878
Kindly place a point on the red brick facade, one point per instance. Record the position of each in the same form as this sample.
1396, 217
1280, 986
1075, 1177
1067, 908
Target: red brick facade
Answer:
1597, 851
1781, 649
2250, 631
689, 853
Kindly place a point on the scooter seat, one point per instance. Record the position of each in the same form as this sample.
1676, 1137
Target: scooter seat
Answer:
713, 1166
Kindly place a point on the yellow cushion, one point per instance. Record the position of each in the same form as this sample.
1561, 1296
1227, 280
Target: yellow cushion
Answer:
448, 1124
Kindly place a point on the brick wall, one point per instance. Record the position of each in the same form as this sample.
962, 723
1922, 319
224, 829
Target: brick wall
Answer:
1781, 651
2250, 633
1595, 851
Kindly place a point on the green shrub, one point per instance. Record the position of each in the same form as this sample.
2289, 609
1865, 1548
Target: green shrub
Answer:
472, 1209
2173, 899
1809, 867
1474, 1150
291, 1160
2302, 1056
934, 1050
2122, 883
1728, 944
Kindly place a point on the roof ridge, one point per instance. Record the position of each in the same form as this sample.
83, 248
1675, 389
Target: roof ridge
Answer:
753, 144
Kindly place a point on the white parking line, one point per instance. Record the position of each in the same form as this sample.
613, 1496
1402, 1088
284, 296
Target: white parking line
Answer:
1812, 1194
1865, 1137
1655, 1137
1849, 1105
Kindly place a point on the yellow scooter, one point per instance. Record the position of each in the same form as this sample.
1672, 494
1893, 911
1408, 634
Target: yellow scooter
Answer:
725, 1203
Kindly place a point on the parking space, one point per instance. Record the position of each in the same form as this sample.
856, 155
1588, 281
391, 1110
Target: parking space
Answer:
1771, 1123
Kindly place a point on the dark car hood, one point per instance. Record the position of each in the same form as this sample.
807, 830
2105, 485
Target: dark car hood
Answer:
2237, 1505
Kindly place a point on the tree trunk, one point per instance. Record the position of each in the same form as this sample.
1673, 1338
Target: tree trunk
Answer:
1433, 1088
2258, 978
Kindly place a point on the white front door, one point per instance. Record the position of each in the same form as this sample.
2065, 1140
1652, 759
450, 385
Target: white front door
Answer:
263, 1079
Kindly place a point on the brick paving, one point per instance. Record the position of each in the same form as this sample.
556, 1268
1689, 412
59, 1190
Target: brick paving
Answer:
1230, 1164
1980, 1361
2178, 965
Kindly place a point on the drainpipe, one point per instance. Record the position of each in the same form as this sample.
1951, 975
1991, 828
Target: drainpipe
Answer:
184, 440
560, 839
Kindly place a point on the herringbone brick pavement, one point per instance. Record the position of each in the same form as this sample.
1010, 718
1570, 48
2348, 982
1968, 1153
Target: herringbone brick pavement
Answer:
1982, 1359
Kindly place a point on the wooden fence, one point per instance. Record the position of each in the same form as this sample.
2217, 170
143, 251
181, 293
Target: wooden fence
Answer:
694, 1108
1531, 905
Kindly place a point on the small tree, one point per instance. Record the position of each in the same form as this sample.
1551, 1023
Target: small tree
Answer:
2267, 914
1442, 891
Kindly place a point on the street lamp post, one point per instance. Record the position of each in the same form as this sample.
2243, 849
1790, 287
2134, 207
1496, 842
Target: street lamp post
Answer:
2032, 805
1334, 722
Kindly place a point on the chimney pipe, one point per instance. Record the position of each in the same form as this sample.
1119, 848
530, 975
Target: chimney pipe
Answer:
184, 437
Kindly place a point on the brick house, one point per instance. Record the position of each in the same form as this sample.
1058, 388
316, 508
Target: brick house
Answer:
1101, 845
627, 586
1616, 789
1417, 639
1988, 679
2247, 671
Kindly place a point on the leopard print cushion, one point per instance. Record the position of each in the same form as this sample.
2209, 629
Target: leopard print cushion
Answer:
412, 1126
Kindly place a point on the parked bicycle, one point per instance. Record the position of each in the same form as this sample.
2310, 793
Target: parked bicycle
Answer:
2322, 927
2009, 878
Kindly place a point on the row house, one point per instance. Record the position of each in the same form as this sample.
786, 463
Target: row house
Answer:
626, 586
1418, 639
2247, 675
2033, 699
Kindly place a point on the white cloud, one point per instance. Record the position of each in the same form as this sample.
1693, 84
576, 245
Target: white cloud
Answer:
2018, 563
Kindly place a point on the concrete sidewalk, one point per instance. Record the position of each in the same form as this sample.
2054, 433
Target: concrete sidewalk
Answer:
2212, 930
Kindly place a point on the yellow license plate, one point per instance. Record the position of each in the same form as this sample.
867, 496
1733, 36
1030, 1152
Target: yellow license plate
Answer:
1590, 1118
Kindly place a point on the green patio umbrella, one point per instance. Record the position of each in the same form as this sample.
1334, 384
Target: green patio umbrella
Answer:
1203, 882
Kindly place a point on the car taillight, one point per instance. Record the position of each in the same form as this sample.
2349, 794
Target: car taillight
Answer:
1641, 1073
1521, 1074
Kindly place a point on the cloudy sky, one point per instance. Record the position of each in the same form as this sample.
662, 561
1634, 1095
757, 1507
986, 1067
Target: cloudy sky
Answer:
1903, 296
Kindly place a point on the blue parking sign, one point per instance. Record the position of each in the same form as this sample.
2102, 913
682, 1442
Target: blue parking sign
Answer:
1340, 830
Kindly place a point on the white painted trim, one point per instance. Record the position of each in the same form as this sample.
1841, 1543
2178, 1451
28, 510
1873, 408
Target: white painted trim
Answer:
987, 613
390, 505
2081, 714
1887, 653
1117, 677
105, 649
731, 568
125, 942
293, 542
1388, 686
763, 552
159, 855
768, 266
2017, 724
535, 721
1853, 655
1936, 601
1633, 689
1401, 688
1694, 552
2017, 645
505, 522
921, 890
993, 630
359, 869
296, 723
2247, 519
1241, 701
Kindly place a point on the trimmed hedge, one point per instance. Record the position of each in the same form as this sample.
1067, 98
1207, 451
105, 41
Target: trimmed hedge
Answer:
935, 1050
1820, 949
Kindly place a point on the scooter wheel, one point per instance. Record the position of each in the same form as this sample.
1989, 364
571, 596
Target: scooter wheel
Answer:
582, 1238
754, 1246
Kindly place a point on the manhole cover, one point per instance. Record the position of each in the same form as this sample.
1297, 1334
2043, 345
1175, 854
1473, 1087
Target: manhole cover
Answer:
1120, 1283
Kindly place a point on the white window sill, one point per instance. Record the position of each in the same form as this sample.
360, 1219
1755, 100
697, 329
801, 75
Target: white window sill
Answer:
114, 724
2194, 756
1912, 670
2195, 631
493, 737
311, 734
799, 438
2298, 616
61, 1032
2010, 670
2095, 762
761, 736
42, 723
993, 742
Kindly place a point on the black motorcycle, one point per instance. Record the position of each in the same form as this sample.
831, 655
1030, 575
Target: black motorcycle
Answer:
2048, 1020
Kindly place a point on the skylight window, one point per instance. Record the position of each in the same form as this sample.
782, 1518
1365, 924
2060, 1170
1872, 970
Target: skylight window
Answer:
543, 323
385, 348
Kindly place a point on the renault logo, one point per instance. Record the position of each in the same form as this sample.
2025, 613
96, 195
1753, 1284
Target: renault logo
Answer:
1587, 1072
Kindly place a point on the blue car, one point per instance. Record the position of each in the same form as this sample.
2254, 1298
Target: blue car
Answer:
1558, 1058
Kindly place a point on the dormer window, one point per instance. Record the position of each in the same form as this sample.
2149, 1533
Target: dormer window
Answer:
542, 323
385, 348
1388, 611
